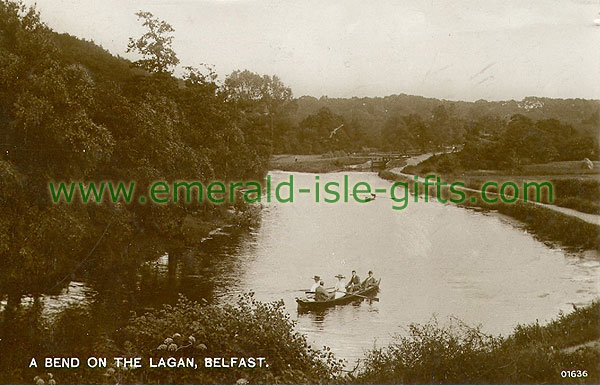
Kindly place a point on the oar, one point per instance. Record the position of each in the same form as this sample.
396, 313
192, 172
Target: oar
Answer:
327, 288
361, 296
312, 292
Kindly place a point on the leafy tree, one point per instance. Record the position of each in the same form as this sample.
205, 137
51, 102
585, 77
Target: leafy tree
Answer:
398, 138
259, 100
316, 132
61, 120
154, 45
420, 131
255, 92
46, 116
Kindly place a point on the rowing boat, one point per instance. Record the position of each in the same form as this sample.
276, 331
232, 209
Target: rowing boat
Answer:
311, 304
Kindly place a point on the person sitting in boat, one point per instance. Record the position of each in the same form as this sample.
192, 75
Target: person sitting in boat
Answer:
354, 283
321, 294
339, 289
316, 284
369, 282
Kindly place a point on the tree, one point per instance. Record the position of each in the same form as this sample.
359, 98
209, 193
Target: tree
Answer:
260, 99
46, 114
419, 131
253, 91
154, 45
316, 131
396, 135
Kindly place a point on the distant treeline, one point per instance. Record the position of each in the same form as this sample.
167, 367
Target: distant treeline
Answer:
532, 130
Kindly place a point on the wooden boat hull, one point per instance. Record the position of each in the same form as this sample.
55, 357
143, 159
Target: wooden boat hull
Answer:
304, 304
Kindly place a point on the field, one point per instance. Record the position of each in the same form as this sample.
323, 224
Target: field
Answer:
314, 163
575, 186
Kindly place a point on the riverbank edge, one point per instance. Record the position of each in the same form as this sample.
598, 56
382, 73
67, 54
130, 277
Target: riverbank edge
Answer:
319, 164
546, 224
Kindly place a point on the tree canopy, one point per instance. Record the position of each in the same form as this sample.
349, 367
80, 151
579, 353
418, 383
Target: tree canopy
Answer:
155, 45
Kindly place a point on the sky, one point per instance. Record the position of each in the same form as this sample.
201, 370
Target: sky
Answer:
448, 49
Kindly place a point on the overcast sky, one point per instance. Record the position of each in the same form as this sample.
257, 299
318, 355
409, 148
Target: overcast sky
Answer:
451, 49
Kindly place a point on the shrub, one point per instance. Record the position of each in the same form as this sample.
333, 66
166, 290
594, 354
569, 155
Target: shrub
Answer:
248, 329
460, 354
431, 354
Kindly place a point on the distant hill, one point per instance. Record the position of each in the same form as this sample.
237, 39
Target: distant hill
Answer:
577, 112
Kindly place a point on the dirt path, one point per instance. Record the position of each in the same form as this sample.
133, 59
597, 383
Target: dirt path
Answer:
589, 218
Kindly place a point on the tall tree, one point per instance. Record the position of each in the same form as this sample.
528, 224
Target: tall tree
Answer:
155, 45
260, 99
253, 91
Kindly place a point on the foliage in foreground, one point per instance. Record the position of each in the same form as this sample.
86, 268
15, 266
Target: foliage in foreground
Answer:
457, 353
429, 353
248, 328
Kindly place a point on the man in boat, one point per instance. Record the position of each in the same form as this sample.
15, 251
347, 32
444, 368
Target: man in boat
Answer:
339, 289
321, 294
370, 281
316, 284
354, 283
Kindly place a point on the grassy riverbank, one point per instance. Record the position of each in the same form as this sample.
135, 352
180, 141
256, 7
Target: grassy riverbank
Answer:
548, 225
575, 187
315, 163
459, 353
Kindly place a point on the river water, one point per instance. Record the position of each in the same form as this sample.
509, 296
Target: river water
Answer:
433, 260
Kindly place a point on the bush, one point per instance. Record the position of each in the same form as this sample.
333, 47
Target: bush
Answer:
567, 330
248, 329
461, 354
582, 205
578, 194
431, 354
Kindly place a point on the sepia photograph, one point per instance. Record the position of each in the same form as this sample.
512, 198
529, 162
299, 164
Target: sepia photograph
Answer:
299, 192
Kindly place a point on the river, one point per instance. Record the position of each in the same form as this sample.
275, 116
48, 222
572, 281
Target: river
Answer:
433, 260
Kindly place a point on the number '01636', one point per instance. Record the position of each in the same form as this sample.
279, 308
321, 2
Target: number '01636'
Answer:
573, 373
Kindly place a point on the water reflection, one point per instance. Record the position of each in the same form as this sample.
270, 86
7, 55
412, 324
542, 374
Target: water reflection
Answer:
204, 272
